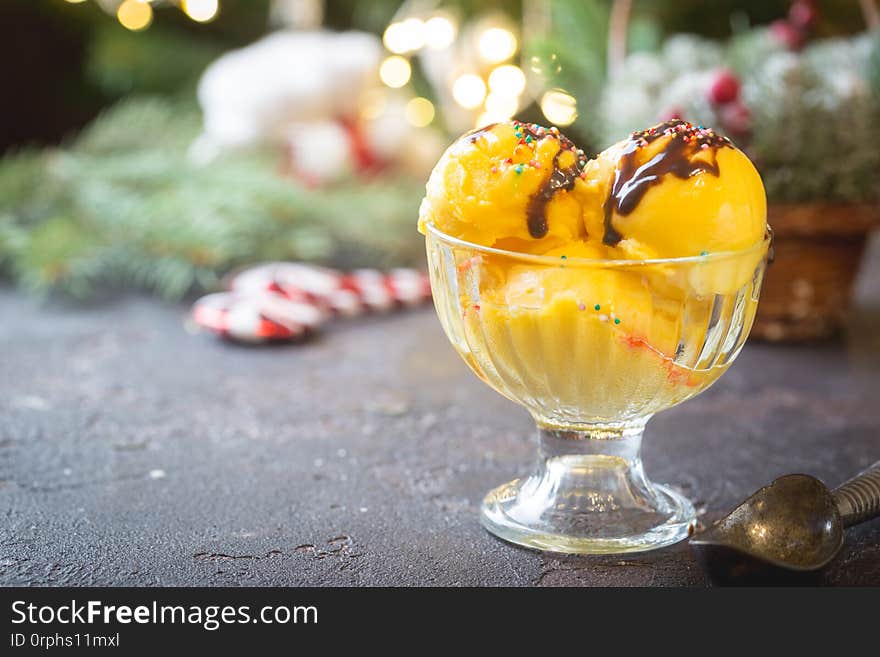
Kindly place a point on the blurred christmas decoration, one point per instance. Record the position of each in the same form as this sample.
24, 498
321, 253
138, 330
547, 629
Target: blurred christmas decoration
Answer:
316, 94
285, 301
469, 62
137, 15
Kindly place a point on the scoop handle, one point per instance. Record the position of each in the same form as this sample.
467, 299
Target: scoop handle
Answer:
858, 499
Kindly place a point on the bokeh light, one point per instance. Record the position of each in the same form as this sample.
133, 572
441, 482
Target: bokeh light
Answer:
134, 15
469, 90
508, 80
559, 107
497, 44
404, 36
439, 32
419, 112
501, 105
201, 11
395, 71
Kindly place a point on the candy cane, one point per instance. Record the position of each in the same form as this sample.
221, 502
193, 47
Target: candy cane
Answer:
288, 300
262, 317
363, 290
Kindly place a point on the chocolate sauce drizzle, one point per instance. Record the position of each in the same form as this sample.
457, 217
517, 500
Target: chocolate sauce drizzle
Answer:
536, 211
559, 179
633, 177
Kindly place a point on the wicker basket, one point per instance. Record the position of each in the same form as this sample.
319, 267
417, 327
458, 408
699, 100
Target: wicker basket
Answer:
807, 290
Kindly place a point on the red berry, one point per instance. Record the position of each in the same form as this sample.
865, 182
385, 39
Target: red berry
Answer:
724, 88
803, 13
787, 34
736, 118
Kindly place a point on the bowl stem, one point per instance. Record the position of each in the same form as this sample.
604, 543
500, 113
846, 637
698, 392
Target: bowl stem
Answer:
588, 495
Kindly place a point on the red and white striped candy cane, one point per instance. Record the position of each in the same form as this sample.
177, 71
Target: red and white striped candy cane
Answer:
363, 290
261, 317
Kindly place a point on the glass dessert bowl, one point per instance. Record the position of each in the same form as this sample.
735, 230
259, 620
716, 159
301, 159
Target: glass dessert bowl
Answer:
592, 348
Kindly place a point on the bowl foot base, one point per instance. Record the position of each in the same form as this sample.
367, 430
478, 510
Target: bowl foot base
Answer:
588, 504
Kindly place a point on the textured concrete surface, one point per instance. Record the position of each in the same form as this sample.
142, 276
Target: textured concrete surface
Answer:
134, 453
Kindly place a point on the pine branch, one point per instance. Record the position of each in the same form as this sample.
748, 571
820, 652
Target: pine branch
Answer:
122, 205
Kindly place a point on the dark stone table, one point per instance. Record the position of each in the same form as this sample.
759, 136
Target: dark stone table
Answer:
135, 453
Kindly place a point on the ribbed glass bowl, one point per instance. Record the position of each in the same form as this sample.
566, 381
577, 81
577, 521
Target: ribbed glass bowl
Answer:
592, 348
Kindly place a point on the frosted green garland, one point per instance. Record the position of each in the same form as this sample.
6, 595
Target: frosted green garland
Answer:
814, 114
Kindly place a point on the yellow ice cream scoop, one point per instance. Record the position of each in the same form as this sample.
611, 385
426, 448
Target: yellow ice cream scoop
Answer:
674, 190
508, 185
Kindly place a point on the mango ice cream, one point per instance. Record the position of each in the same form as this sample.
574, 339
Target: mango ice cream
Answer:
563, 294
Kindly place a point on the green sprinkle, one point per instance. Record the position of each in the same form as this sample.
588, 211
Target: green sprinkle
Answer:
704, 253
564, 257
616, 320
518, 168
597, 307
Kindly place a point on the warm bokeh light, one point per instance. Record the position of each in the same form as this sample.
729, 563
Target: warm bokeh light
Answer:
75, 2
419, 112
405, 36
134, 15
469, 90
559, 107
497, 44
395, 71
415, 31
439, 32
200, 11
394, 38
508, 80
501, 105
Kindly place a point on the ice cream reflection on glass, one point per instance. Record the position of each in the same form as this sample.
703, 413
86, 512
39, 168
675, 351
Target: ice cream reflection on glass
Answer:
594, 292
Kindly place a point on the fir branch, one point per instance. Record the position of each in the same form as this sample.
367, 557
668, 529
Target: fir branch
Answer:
123, 205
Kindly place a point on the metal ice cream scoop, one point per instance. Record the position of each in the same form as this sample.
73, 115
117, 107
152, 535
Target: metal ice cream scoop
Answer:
791, 527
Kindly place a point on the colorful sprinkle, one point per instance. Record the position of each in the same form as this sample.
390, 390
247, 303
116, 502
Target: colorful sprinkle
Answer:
564, 257
597, 307
581, 306
617, 320
704, 253
518, 168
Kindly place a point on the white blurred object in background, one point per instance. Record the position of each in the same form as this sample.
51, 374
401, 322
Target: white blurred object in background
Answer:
255, 93
304, 91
